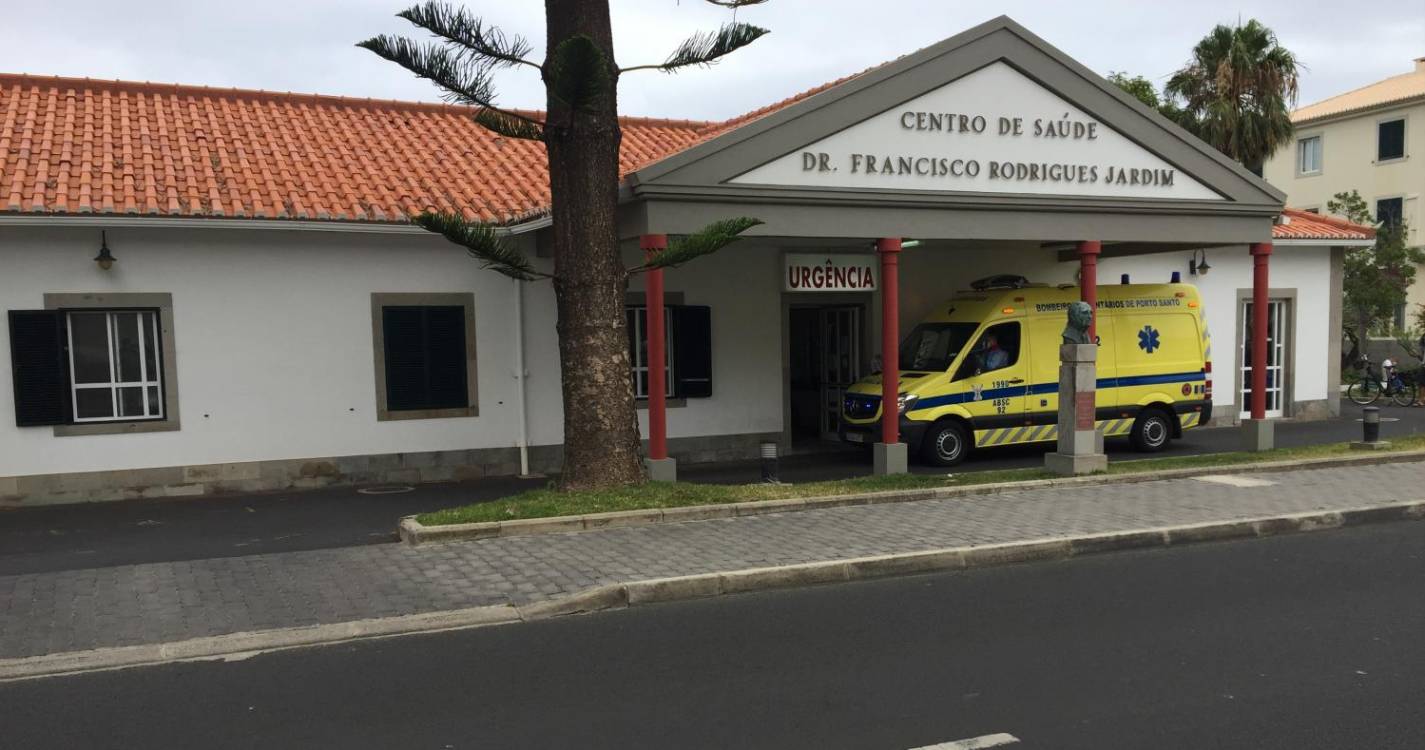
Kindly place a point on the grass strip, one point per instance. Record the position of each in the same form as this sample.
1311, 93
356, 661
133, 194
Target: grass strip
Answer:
546, 503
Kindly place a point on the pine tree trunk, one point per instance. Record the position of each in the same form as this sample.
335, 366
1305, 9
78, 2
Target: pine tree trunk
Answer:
601, 440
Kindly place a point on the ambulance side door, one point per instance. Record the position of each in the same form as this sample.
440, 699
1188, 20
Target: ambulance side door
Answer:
1047, 333
995, 384
1159, 360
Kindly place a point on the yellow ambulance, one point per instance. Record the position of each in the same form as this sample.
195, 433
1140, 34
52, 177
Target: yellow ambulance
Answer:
983, 369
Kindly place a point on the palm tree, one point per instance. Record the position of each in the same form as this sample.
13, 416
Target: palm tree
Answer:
1238, 90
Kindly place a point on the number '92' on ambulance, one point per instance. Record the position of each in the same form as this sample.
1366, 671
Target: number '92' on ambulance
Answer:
983, 369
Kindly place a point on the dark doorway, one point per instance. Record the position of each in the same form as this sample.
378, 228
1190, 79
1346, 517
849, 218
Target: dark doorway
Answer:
826, 355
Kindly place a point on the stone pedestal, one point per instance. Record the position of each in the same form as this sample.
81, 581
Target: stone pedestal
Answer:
1258, 434
1080, 444
662, 469
889, 458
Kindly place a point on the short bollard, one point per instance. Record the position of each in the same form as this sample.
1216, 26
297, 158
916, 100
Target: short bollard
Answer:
1370, 431
769, 463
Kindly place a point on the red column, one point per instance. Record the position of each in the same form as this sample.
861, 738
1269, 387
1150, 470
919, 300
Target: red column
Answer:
889, 249
1261, 253
1088, 280
653, 244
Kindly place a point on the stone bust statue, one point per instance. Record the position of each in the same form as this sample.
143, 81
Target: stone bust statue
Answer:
1077, 331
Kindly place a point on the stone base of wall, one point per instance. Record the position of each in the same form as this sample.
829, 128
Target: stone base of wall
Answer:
310, 473
1226, 415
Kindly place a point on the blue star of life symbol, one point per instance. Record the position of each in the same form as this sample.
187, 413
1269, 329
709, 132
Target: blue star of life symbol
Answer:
1148, 339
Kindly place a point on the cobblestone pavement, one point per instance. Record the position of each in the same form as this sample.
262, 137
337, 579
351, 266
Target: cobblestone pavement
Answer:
153, 603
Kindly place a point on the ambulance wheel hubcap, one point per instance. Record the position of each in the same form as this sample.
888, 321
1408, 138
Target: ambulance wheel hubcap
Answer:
1155, 432
948, 445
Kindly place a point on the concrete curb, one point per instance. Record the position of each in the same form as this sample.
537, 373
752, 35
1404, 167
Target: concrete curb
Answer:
414, 533
705, 585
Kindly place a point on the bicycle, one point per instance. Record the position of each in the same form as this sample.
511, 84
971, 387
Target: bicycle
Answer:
1370, 387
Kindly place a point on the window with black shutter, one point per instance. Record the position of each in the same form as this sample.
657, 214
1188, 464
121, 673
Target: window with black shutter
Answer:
425, 357
40, 367
1390, 211
1390, 140
688, 349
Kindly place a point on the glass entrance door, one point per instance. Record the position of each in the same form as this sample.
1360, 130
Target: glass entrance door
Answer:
1277, 312
840, 362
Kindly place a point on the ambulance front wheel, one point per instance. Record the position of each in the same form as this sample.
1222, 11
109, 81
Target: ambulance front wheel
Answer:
946, 444
1151, 431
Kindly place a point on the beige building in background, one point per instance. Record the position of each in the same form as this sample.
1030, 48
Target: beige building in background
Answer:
1371, 140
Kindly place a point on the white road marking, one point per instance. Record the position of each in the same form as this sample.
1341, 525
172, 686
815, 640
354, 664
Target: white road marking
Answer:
1235, 480
974, 743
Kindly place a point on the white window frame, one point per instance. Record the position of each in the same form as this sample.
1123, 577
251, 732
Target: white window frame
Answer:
152, 408
637, 316
1301, 144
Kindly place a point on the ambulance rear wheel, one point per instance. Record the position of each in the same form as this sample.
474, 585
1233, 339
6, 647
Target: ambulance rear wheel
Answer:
1151, 431
946, 444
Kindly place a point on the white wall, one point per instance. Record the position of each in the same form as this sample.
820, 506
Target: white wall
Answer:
274, 345
742, 285
274, 348
1305, 269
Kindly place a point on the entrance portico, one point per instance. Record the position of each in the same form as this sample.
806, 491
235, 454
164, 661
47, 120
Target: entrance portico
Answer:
992, 150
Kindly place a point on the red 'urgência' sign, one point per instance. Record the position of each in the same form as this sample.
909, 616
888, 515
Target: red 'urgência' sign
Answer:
829, 273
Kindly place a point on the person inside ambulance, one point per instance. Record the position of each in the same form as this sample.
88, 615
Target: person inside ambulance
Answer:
992, 357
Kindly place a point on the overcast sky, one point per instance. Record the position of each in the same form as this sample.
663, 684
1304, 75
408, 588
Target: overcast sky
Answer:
307, 45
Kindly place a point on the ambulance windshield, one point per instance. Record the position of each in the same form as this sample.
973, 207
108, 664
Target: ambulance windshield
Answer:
934, 346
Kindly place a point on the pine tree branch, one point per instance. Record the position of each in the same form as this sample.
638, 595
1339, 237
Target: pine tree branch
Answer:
511, 126
705, 241
465, 79
706, 48
577, 72
460, 28
482, 242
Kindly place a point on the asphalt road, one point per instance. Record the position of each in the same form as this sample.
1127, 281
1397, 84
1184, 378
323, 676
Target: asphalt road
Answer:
106, 534
1295, 643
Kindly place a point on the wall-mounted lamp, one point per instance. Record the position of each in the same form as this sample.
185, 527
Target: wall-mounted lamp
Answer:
105, 259
1197, 266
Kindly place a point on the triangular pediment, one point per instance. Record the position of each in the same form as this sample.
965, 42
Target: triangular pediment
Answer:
993, 114
992, 131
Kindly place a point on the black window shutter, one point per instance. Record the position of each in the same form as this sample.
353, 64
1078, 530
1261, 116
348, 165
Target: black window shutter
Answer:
1390, 140
425, 358
41, 374
692, 351
445, 351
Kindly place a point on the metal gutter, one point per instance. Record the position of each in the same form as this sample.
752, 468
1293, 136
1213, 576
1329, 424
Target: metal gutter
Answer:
111, 221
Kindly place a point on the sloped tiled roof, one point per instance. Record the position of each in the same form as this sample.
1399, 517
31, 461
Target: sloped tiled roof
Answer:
1304, 225
77, 146
1396, 89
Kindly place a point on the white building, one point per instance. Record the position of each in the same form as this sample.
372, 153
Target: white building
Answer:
269, 320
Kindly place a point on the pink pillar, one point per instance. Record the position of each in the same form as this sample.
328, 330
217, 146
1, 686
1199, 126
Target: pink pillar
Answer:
1088, 280
1261, 253
889, 249
652, 245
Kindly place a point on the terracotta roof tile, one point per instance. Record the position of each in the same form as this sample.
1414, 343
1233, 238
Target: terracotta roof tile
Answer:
1304, 225
88, 146
71, 145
